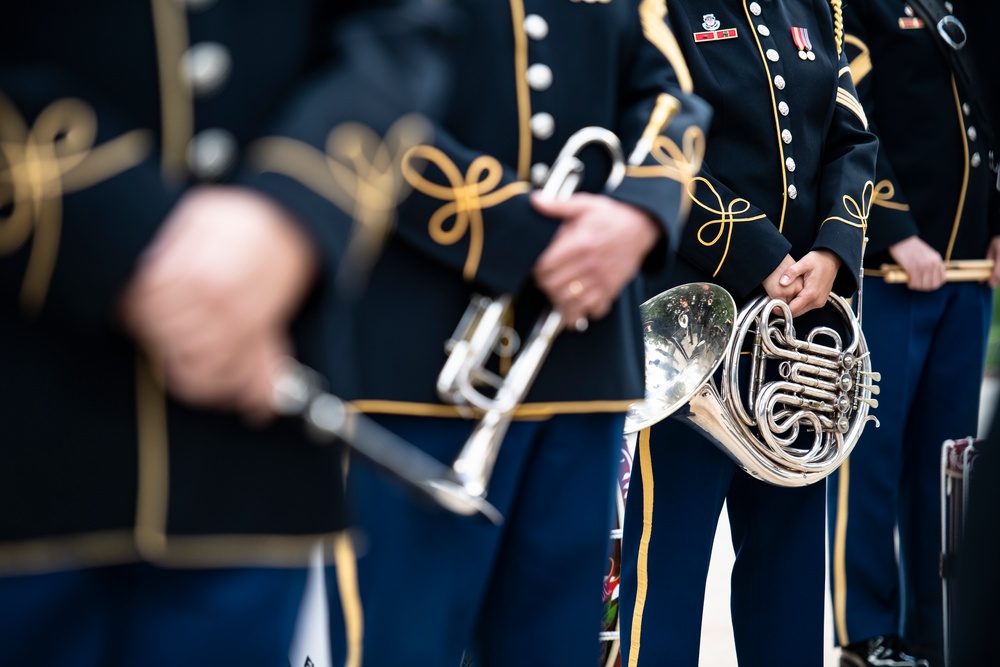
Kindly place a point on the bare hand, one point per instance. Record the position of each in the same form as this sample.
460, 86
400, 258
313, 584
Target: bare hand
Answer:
817, 270
212, 298
597, 250
922, 263
993, 252
774, 287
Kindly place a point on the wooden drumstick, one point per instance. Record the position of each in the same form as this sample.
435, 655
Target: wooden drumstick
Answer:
960, 270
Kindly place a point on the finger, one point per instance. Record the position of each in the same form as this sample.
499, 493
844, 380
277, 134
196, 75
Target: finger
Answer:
567, 246
802, 303
561, 208
793, 272
257, 404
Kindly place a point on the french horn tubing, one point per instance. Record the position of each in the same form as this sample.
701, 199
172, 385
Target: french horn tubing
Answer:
819, 395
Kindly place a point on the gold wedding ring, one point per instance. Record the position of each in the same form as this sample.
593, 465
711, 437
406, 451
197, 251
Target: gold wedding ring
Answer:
575, 288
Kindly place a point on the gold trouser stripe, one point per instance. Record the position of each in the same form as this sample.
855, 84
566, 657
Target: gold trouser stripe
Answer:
840, 556
642, 565
346, 565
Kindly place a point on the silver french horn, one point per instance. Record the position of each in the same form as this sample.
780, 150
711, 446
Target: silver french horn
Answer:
823, 387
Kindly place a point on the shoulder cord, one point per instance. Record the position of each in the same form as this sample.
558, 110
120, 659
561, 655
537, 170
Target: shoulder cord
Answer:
838, 24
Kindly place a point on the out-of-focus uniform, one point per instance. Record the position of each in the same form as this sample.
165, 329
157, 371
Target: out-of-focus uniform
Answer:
110, 113
934, 182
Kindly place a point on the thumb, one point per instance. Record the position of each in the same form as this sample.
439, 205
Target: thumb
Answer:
791, 273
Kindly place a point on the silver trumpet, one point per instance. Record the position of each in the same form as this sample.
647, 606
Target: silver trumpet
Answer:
465, 381
824, 387
299, 391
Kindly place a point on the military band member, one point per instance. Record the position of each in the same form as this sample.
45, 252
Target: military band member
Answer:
529, 74
972, 643
144, 522
779, 208
935, 204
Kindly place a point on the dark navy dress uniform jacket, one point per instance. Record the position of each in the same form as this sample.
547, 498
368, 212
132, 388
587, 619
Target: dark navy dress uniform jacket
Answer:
109, 112
933, 174
789, 160
527, 81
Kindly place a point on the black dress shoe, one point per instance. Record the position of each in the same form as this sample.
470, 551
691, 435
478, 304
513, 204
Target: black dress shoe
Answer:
882, 651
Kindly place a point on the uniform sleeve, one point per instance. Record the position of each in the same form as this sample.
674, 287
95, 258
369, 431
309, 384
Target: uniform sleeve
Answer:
472, 213
83, 194
320, 157
889, 218
846, 188
720, 222
663, 126
83, 186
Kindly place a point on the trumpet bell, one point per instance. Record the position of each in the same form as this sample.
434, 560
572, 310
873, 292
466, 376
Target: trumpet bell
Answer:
686, 332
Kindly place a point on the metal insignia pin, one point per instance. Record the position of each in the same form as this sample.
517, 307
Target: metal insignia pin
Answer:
713, 30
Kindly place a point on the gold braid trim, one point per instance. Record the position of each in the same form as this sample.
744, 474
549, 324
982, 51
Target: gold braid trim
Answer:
884, 192
42, 163
861, 65
838, 24
467, 195
857, 211
360, 173
651, 15
677, 163
728, 217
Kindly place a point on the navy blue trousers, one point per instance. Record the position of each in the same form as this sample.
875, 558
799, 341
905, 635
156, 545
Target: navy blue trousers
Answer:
433, 584
679, 483
129, 615
930, 349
